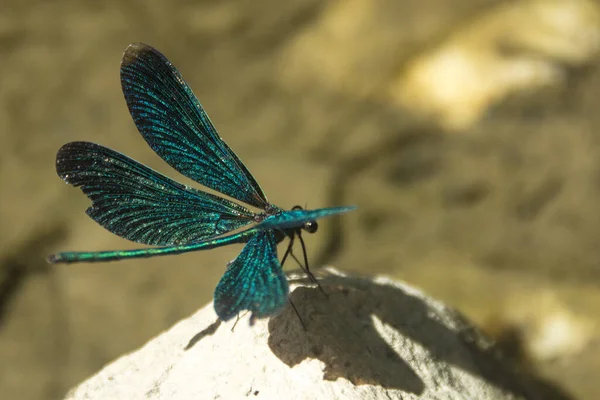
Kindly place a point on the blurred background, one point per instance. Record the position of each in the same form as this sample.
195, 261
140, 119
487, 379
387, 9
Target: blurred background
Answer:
466, 130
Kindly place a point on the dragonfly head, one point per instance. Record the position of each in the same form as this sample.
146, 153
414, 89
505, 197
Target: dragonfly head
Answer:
309, 226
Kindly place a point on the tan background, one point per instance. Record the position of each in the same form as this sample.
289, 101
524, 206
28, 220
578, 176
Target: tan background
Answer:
466, 131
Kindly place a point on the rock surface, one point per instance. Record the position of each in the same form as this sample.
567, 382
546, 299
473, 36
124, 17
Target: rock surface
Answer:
370, 339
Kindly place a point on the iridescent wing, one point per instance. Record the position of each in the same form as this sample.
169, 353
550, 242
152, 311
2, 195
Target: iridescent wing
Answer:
254, 281
139, 204
172, 121
296, 218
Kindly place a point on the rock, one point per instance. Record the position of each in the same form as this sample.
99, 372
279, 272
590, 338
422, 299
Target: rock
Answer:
369, 339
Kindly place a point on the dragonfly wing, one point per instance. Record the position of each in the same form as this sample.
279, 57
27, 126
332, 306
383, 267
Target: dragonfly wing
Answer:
254, 281
296, 218
139, 204
172, 121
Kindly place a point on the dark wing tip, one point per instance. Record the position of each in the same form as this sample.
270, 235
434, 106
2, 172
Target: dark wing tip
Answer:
61, 156
64, 156
133, 51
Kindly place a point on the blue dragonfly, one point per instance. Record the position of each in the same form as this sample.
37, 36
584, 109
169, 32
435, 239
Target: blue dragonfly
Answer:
144, 206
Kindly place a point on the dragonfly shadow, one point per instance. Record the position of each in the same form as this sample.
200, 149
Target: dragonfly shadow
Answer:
208, 331
343, 335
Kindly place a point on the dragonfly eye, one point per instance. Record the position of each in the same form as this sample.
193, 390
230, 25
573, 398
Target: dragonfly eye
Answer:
311, 226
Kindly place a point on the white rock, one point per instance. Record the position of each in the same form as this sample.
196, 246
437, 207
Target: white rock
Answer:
370, 339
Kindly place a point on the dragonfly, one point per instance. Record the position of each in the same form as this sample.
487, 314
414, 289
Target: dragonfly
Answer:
139, 204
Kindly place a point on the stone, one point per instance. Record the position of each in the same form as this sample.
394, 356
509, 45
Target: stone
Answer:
366, 339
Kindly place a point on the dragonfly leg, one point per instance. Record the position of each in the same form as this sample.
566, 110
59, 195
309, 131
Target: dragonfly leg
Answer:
312, 278
237, 319
307, 270
302, 266
288, 251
